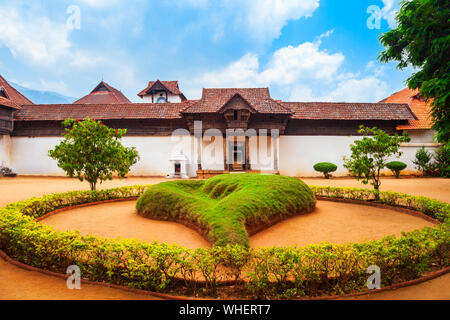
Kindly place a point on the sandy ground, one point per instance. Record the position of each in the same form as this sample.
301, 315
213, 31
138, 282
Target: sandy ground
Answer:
436, 289
20, 284
16, 283
338, 223
120, 220
21, 188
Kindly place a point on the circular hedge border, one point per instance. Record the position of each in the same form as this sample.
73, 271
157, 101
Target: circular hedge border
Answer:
272, 273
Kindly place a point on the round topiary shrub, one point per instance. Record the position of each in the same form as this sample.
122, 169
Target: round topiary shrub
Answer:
224, 207
326, 168
396, 167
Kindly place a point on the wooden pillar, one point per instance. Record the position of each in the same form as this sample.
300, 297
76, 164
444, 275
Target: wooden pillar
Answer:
199, 152
225, 153
275, 141
247, 153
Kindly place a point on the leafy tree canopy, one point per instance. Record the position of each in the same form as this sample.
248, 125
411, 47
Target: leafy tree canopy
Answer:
422, 40
93, 152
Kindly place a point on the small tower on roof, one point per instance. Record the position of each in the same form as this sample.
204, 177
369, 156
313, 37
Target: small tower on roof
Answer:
162, 92
104, 94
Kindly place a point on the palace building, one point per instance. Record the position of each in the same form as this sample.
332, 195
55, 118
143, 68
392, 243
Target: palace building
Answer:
226, 130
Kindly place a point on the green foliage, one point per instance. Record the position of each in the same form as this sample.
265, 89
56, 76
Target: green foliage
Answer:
396, 167
423, 160
326, 168
91, 151
422, 40
223, 206
442, 161
369, 155
271, 273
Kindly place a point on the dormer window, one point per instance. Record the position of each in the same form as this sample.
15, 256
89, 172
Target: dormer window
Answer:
3, 93
161, 100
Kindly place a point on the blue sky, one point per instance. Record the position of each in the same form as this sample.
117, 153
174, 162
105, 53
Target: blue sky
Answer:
304, 50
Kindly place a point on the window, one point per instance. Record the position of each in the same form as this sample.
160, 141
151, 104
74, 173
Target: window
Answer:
161, 100
236, 115
3, 93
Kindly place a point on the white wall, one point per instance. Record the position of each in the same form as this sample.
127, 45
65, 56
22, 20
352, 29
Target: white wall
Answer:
30, 155
298, 154
5, 150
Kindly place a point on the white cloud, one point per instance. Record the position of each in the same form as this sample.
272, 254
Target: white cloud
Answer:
100, 3
287, 66
262, 20
266, 18
306, 61
389, 12
38, 40
302, 73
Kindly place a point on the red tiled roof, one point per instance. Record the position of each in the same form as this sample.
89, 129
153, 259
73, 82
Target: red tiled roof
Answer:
349, 111
13, 95
103, 94
421, 109
8, 103
171, 86
59, 112
213, 100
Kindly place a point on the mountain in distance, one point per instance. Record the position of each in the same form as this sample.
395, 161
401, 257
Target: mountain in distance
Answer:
43, 97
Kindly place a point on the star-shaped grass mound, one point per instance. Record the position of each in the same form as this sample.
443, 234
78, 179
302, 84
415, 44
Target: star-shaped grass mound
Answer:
223, 208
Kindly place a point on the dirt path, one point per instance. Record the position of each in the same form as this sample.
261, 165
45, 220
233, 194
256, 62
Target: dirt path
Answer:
20, 284
436, 289
114, 220
338, 223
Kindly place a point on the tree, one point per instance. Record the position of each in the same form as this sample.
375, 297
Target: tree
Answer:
422, 39
369, 155
422, 161
91, 151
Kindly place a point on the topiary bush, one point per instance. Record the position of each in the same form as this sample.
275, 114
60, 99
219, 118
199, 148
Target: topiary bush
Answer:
396, 167
326, 168
224, 206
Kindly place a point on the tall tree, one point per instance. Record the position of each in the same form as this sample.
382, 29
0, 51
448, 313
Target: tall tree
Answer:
93, 152
422, 40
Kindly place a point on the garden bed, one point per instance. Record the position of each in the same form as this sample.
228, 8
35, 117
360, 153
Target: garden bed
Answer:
263, 273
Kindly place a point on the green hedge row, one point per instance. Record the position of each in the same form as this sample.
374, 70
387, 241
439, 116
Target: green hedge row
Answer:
272, 273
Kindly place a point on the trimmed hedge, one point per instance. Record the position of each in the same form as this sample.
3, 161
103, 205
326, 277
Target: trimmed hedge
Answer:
326, 168
272, 273
225, 206
396, 167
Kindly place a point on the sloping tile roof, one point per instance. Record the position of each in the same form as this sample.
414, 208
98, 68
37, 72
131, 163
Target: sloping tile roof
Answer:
171, 86
421, 109
8, 103
213, 100
13, 95
59, 112
103, 94
349, 111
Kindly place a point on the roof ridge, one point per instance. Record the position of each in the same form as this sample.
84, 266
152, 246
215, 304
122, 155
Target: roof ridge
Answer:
14, 89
